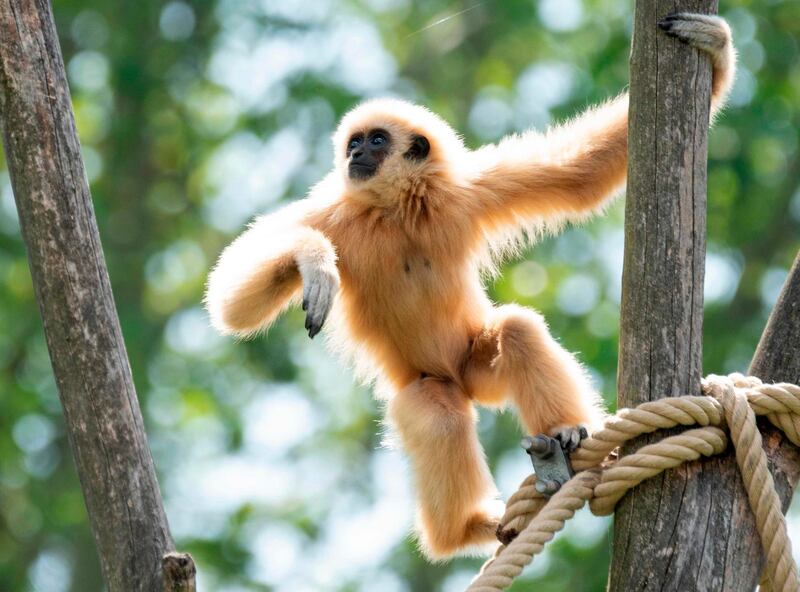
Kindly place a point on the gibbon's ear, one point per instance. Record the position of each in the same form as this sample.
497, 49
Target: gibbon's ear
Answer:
419, 149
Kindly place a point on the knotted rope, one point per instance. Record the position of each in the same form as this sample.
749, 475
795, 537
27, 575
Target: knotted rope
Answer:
731, 403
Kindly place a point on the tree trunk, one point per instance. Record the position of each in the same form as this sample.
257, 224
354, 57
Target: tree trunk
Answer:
87, 352
691, 528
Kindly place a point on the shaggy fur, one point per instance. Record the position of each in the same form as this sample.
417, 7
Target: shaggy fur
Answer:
400, 255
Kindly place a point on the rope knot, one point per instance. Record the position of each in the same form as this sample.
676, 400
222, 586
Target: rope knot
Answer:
730, 402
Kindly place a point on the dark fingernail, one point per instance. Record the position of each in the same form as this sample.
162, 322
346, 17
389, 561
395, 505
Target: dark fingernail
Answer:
664, 25
584, 433
305, 304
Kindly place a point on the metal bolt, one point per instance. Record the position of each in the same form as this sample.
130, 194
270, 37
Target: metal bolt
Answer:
541, 446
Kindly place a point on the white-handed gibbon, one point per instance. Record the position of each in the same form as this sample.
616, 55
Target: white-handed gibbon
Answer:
394, 241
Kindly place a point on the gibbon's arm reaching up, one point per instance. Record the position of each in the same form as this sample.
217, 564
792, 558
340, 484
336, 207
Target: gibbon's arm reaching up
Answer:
575, 167
261, 272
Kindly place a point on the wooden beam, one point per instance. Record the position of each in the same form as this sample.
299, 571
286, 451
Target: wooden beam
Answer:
87, 352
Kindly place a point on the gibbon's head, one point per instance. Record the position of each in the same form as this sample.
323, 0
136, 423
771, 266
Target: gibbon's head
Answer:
389, 148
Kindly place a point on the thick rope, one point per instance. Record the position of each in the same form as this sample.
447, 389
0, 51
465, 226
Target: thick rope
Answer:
500, 571
732, 402
764, 500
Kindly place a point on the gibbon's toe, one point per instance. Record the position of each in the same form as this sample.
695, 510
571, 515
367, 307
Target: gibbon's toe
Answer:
570, 436
705, 32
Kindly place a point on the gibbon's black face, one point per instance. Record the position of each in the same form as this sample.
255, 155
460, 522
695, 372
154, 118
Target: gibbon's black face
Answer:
367, 151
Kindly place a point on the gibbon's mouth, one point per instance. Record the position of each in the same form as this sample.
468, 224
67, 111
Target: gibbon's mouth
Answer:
360, 171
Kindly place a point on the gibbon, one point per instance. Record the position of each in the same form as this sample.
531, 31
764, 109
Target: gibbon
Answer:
394, 241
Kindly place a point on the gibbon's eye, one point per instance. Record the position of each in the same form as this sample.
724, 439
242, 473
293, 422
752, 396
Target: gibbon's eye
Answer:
378, 139
354, 143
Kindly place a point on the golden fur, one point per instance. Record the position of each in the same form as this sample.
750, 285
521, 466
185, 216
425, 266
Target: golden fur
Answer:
405, 249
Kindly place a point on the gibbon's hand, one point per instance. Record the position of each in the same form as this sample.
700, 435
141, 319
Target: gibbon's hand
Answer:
319, 288
705, 32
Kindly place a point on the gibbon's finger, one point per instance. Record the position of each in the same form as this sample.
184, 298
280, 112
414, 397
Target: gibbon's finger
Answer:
323, 304
307, 285
316, 325
313, 293
317, 311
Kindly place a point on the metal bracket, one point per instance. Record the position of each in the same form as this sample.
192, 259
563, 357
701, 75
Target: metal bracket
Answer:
550, 463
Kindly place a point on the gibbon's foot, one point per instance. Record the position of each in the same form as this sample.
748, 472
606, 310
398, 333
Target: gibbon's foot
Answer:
570, 436
705, 32
319, 289
479, 531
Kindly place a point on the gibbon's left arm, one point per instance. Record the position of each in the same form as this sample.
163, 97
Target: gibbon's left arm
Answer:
576, 167
263, 271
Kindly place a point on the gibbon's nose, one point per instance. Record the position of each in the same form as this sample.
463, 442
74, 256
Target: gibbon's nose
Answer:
357, 153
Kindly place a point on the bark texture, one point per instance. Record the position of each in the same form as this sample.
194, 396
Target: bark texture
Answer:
87, 352
691, 528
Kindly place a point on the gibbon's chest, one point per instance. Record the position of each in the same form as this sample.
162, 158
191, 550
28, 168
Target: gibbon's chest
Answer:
396, 269
385, 266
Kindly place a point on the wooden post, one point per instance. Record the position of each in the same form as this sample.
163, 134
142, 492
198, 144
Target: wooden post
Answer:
671, 532
87, 352
692, 528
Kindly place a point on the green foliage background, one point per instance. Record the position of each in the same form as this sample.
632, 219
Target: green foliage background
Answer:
195, 116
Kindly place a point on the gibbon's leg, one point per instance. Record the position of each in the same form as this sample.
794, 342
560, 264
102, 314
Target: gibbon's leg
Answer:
516, 357
436, 424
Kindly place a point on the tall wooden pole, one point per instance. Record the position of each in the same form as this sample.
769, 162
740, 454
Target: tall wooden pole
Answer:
670, 533
83, 335
691, 528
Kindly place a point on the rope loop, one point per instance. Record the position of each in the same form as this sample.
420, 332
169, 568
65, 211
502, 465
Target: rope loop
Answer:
731, 404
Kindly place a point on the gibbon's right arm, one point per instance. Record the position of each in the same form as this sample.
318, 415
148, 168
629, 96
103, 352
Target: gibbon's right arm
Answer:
262, 271
576, 167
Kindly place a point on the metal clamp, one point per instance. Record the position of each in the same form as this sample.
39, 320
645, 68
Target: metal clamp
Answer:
550, 463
